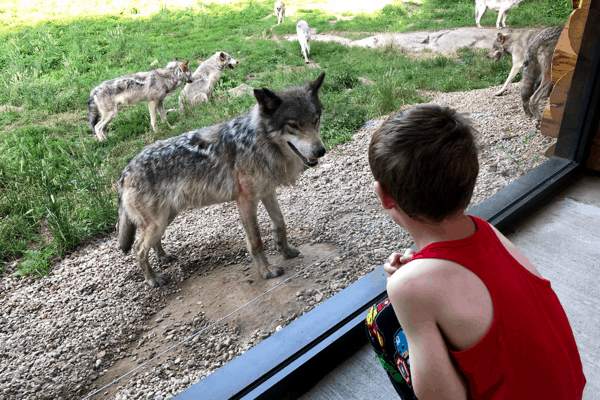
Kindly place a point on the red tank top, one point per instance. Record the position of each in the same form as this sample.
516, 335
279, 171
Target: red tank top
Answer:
529, 352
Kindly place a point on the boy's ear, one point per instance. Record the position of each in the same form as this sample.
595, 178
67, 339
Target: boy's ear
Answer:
267, 100
386, 200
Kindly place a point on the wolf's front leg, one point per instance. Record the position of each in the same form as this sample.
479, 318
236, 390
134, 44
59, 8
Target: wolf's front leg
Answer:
516, 67
247, 205
272, 205
163, 114
162, 255
147, 240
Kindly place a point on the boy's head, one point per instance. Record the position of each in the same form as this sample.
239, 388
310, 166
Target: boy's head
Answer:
426, 160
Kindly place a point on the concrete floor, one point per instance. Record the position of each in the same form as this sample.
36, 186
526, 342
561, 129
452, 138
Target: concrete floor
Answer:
562, 239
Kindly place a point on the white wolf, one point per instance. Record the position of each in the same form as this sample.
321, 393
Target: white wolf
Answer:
303, 31
279, 11
502, 6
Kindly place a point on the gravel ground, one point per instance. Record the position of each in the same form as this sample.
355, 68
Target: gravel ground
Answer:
65, 335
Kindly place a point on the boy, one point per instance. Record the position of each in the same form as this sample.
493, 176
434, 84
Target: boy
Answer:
477, 319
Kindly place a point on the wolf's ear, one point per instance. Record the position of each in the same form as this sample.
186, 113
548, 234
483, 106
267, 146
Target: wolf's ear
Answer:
502, 38
175, 59
184, 65
267, 100
223, 57
316, 84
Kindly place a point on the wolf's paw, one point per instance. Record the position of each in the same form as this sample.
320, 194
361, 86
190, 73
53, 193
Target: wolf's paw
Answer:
270, 271
158, 280
167, 258
290, 252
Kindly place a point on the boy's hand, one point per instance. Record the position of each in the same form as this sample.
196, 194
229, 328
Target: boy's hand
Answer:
396, 260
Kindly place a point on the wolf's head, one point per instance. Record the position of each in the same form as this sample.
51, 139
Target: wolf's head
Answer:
498, 49
295, 113
181, 70
224, 60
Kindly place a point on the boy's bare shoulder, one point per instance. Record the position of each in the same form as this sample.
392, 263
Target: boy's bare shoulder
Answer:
424, 278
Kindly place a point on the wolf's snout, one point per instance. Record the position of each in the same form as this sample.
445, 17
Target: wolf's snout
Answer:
319, 152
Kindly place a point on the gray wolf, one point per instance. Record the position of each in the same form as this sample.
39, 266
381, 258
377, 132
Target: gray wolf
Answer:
279, 11
204, 79
502, 6
537, 67
303, 31
152, 86
513, 44
243, 160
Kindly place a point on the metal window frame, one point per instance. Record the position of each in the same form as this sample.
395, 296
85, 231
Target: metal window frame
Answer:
291, 361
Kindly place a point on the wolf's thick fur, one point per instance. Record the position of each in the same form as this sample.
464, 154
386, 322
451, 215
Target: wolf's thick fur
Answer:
152, 86
502, 6
279, 11
204, 79
514, 44
244, 160
303, 31
537, 67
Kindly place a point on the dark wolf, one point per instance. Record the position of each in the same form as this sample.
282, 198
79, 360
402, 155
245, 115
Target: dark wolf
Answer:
243, 160
537, 67
152, 86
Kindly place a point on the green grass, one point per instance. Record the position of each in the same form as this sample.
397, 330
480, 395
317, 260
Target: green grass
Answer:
57, 183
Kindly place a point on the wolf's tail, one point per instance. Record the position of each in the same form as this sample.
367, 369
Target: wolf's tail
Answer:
126, 225
93, 113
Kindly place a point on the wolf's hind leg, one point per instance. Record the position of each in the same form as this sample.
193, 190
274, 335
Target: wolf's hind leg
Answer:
530, 73
152, 107
247, 208
542, 91
272, 205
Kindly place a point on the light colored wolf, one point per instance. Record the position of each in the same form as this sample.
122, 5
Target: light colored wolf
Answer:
303, 31
502, 6
204, 79
513, 44
279, 11
537, 68
243, 160
152, 86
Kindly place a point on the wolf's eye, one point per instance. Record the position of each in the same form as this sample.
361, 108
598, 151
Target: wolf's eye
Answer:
293, 126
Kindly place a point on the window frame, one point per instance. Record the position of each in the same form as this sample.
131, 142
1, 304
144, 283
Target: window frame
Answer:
291, 361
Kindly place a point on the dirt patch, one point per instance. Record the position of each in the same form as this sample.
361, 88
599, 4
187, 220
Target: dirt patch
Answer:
220, 292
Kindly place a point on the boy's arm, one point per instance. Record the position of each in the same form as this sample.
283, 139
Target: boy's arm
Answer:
433, 371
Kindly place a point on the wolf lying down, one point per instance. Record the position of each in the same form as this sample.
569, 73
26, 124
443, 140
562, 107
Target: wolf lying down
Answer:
243, 160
